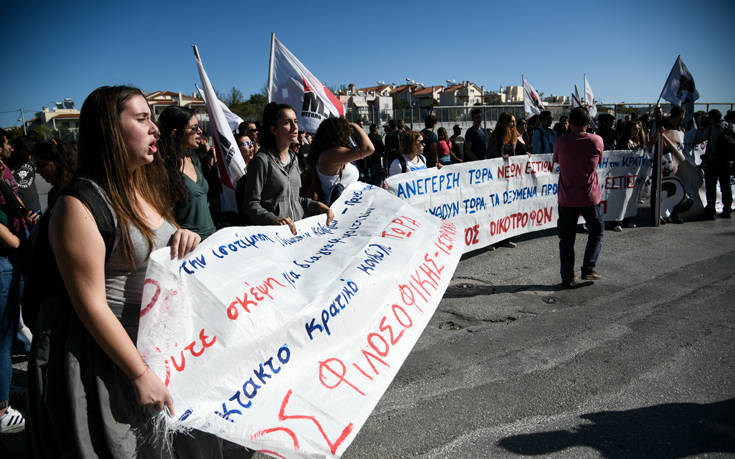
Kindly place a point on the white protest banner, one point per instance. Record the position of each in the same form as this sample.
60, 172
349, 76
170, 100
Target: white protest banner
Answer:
290, 82
495, 199
286, 343
230, 164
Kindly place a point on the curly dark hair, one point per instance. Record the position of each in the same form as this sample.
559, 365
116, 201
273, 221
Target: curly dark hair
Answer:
174, 118
332, 132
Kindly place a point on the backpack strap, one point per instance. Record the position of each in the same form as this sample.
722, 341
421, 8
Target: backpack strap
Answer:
402, 160
43, 280
96, 200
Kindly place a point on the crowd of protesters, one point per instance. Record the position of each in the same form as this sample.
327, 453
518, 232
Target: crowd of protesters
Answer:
132, 185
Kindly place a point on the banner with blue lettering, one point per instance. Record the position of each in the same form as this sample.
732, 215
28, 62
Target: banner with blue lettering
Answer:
496, 199
286, 343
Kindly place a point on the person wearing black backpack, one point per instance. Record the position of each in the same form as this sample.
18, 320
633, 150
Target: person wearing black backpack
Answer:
90, 392
720, 137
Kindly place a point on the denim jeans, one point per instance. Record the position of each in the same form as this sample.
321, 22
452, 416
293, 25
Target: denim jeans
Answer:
11, 283
713, 173
567, 230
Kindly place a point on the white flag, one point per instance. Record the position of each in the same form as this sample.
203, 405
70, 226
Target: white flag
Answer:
589, 98
292, 83
233, 120
531, 100
231, 166
679, 88
576, 102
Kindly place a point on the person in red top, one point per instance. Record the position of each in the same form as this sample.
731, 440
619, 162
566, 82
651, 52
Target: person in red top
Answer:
578, 155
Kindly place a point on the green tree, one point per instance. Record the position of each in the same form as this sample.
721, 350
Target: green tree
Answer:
233, 97
622, 108
250, 109
42, 132
14, 133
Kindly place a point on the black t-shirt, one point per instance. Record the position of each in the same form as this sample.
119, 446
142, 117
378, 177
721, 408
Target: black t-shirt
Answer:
430, 138
379, 148
25, 176
478, 139
457, 146
391, 147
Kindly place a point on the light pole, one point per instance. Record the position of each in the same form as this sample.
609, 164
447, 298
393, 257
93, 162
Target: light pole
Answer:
23, 120
410, 102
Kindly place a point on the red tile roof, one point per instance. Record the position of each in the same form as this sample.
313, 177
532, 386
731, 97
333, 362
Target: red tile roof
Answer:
426, 90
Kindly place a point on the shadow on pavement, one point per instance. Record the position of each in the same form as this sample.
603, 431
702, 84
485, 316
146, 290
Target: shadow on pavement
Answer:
669, 430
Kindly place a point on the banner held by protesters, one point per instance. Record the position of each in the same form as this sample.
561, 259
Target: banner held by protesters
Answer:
290, 354
496, 199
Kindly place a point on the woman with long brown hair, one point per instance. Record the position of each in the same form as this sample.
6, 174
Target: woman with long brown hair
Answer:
184, 182
504, 140
89, 386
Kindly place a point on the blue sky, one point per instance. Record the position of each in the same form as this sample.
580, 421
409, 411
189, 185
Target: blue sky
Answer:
54, 50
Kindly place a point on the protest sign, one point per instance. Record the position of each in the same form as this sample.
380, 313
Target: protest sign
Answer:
496, 199
286, 343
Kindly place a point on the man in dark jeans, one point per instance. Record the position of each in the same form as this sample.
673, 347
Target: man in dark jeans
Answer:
716, 165
578, 154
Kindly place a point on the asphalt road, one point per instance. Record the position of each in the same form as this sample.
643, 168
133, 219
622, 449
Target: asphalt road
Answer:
640, 363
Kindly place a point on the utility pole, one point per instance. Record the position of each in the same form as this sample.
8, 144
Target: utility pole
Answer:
23, 120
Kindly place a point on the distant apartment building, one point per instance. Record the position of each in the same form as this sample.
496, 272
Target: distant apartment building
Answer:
511, 94
402, 95
63, 117
382, 90
461, 94
427, 97
159, 100
373, 104
554, 99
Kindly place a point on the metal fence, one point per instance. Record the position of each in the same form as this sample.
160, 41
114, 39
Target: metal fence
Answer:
449, 116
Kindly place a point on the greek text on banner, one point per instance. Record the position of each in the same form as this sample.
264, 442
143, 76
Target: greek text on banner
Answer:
286, 343
496, 199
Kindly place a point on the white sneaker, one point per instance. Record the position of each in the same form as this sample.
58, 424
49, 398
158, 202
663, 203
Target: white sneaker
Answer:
12, 421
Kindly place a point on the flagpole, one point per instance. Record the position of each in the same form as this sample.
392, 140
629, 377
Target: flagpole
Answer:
270, 68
